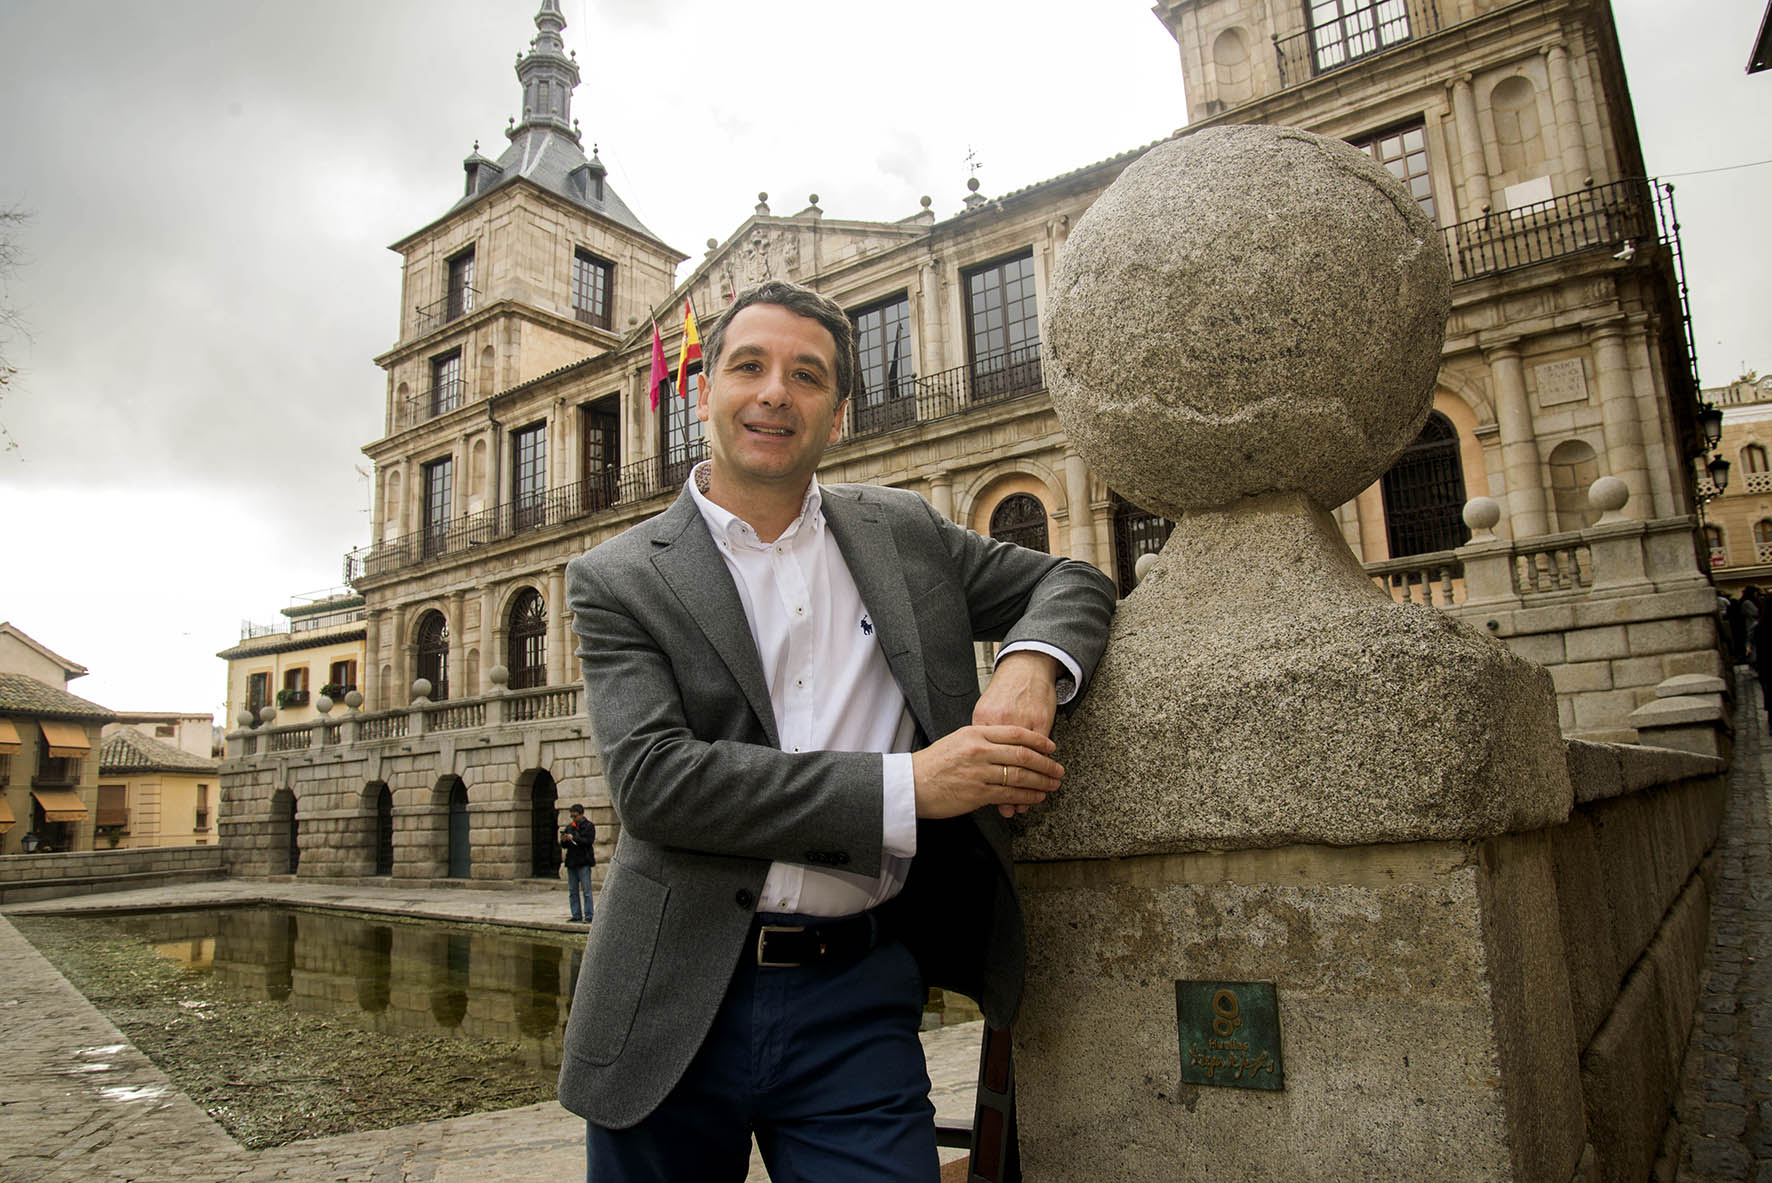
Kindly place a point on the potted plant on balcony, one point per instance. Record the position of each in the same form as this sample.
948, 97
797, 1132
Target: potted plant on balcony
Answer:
291, 698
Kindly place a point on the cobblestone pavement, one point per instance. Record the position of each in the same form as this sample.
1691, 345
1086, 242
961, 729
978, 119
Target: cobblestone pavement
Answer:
1724, 1108
79, 1104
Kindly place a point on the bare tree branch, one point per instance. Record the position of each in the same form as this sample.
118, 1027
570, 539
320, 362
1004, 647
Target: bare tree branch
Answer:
12, 326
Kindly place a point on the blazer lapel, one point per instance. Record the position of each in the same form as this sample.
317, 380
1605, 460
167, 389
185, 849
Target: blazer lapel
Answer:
690, 564
865, 538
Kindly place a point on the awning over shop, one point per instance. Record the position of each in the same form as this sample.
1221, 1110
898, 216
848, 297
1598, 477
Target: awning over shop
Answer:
6, 818
60, 805
9, 741
64, 739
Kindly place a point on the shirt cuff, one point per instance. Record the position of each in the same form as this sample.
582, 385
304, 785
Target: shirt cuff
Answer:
1067, 681
899, 817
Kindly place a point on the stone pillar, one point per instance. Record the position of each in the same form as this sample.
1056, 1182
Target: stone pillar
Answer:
458, 648
1082, 517
1470, 149
1574, 144
1526, 513
560, 646
398, 688
1621, 423
370, 674
492, 636
1292, 915
941, 495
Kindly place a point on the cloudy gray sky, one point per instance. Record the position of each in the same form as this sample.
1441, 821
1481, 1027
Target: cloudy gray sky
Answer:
213, 186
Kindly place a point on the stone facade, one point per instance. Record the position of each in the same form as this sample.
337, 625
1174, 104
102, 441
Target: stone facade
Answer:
1738, 521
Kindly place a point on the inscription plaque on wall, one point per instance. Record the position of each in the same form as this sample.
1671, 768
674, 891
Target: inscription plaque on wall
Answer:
1560, 382
1230, 1034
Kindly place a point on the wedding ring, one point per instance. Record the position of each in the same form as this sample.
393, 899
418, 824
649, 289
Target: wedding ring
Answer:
1005, 776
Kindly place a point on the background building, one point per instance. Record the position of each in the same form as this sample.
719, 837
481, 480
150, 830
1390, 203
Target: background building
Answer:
152, 793
1738, 520
48, 749
520, 431
319, 652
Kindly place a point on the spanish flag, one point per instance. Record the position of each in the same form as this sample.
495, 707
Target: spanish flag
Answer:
660, 376
690, 351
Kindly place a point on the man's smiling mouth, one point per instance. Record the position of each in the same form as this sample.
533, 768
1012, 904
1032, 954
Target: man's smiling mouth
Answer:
764, 429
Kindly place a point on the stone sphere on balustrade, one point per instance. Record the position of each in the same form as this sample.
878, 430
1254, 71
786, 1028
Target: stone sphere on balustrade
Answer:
244, 719
1481, 514
499, 676
323, 704
353, 699
266, 714
1203, 348
421, 688
1608, 494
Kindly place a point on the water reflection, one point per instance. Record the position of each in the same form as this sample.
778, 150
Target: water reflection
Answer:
394, 975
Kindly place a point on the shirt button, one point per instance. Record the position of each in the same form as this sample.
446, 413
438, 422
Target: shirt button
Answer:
800, 610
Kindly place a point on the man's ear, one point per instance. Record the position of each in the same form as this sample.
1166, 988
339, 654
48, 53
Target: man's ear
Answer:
704, 388
837, 422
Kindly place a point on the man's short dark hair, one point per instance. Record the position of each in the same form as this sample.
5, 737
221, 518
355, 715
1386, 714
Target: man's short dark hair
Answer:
576, 809
801, 301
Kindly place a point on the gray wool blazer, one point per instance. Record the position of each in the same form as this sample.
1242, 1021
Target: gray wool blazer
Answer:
681, 713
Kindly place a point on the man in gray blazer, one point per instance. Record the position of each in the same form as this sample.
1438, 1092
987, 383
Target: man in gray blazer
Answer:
812, 791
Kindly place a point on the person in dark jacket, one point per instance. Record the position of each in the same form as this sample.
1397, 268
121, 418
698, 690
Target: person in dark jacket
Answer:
579, 840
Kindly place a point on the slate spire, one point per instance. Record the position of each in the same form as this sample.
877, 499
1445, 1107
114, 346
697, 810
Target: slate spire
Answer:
548, 75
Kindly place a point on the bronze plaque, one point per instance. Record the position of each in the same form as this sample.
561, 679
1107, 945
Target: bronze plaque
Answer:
1230, 1034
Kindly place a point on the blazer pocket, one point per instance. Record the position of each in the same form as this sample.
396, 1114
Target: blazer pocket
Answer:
619, 961
949, 662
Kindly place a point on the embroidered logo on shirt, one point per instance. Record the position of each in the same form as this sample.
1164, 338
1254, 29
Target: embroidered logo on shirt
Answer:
867, 626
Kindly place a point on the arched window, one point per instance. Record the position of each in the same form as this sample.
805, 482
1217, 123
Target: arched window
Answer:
1136, 532
1753, 458
1021, 519
528, 633
433, 653
1573, 468
1424, 493
1763, 539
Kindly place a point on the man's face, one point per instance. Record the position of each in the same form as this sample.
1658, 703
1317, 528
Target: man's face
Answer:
577, 816
771, 407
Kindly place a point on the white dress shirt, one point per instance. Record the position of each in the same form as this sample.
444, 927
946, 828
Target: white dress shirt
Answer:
829, 686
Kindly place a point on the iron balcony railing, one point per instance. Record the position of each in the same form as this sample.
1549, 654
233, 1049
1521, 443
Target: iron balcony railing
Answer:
1619, 217
1359, 31
436, 314
440, 399
911, 401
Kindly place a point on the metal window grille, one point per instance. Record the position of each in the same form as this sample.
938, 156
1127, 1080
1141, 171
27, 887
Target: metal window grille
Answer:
1424, 493
1137, 532
433, 654
1021, 519
528, 637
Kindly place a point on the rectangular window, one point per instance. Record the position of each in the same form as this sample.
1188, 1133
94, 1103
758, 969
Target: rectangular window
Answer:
258, 692
295, 688
1403, 151
461, 286
341, 678
446, 382
679, 429
886, 380
529, 475
201, 822
164, 731
1003, 328
593, 288
600, 424
438, 489
112, 807
1345, 30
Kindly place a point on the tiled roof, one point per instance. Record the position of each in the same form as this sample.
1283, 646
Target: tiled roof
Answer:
27, 696
548, 157
128, 749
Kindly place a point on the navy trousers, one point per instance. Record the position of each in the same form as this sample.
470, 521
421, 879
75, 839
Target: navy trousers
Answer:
822, 1063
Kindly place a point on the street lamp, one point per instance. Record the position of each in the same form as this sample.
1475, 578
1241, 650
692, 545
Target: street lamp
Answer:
1718, 468
1710, 421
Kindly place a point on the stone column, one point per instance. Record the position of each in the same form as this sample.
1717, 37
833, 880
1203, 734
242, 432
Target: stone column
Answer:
1621, 423
458, 648
1082, 517
1470, 149
398, 690
370, 674
492, 646
941, 495
1574, 145
560, 647
1526, 513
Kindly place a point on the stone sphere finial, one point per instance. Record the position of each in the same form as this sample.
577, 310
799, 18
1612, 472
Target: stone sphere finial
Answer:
323, 704
499, 676
1481, 514
266, 714
1608, 495
972, 184
354, 699
925, 201
244, 719
1143, 565
421, 688
1202, 348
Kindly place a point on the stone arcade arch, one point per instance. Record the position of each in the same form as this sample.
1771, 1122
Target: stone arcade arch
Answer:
285, 847
537, 787
460, 858
378, 803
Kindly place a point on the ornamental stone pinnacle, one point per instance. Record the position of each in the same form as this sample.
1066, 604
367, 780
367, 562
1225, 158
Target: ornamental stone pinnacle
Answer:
1243, 366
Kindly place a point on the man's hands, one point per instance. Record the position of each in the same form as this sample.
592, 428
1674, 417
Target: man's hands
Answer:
1005, 757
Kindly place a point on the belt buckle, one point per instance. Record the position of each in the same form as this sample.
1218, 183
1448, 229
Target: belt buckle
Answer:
763, 932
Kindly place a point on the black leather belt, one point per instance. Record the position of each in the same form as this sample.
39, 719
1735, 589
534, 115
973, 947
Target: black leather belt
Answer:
785, 946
